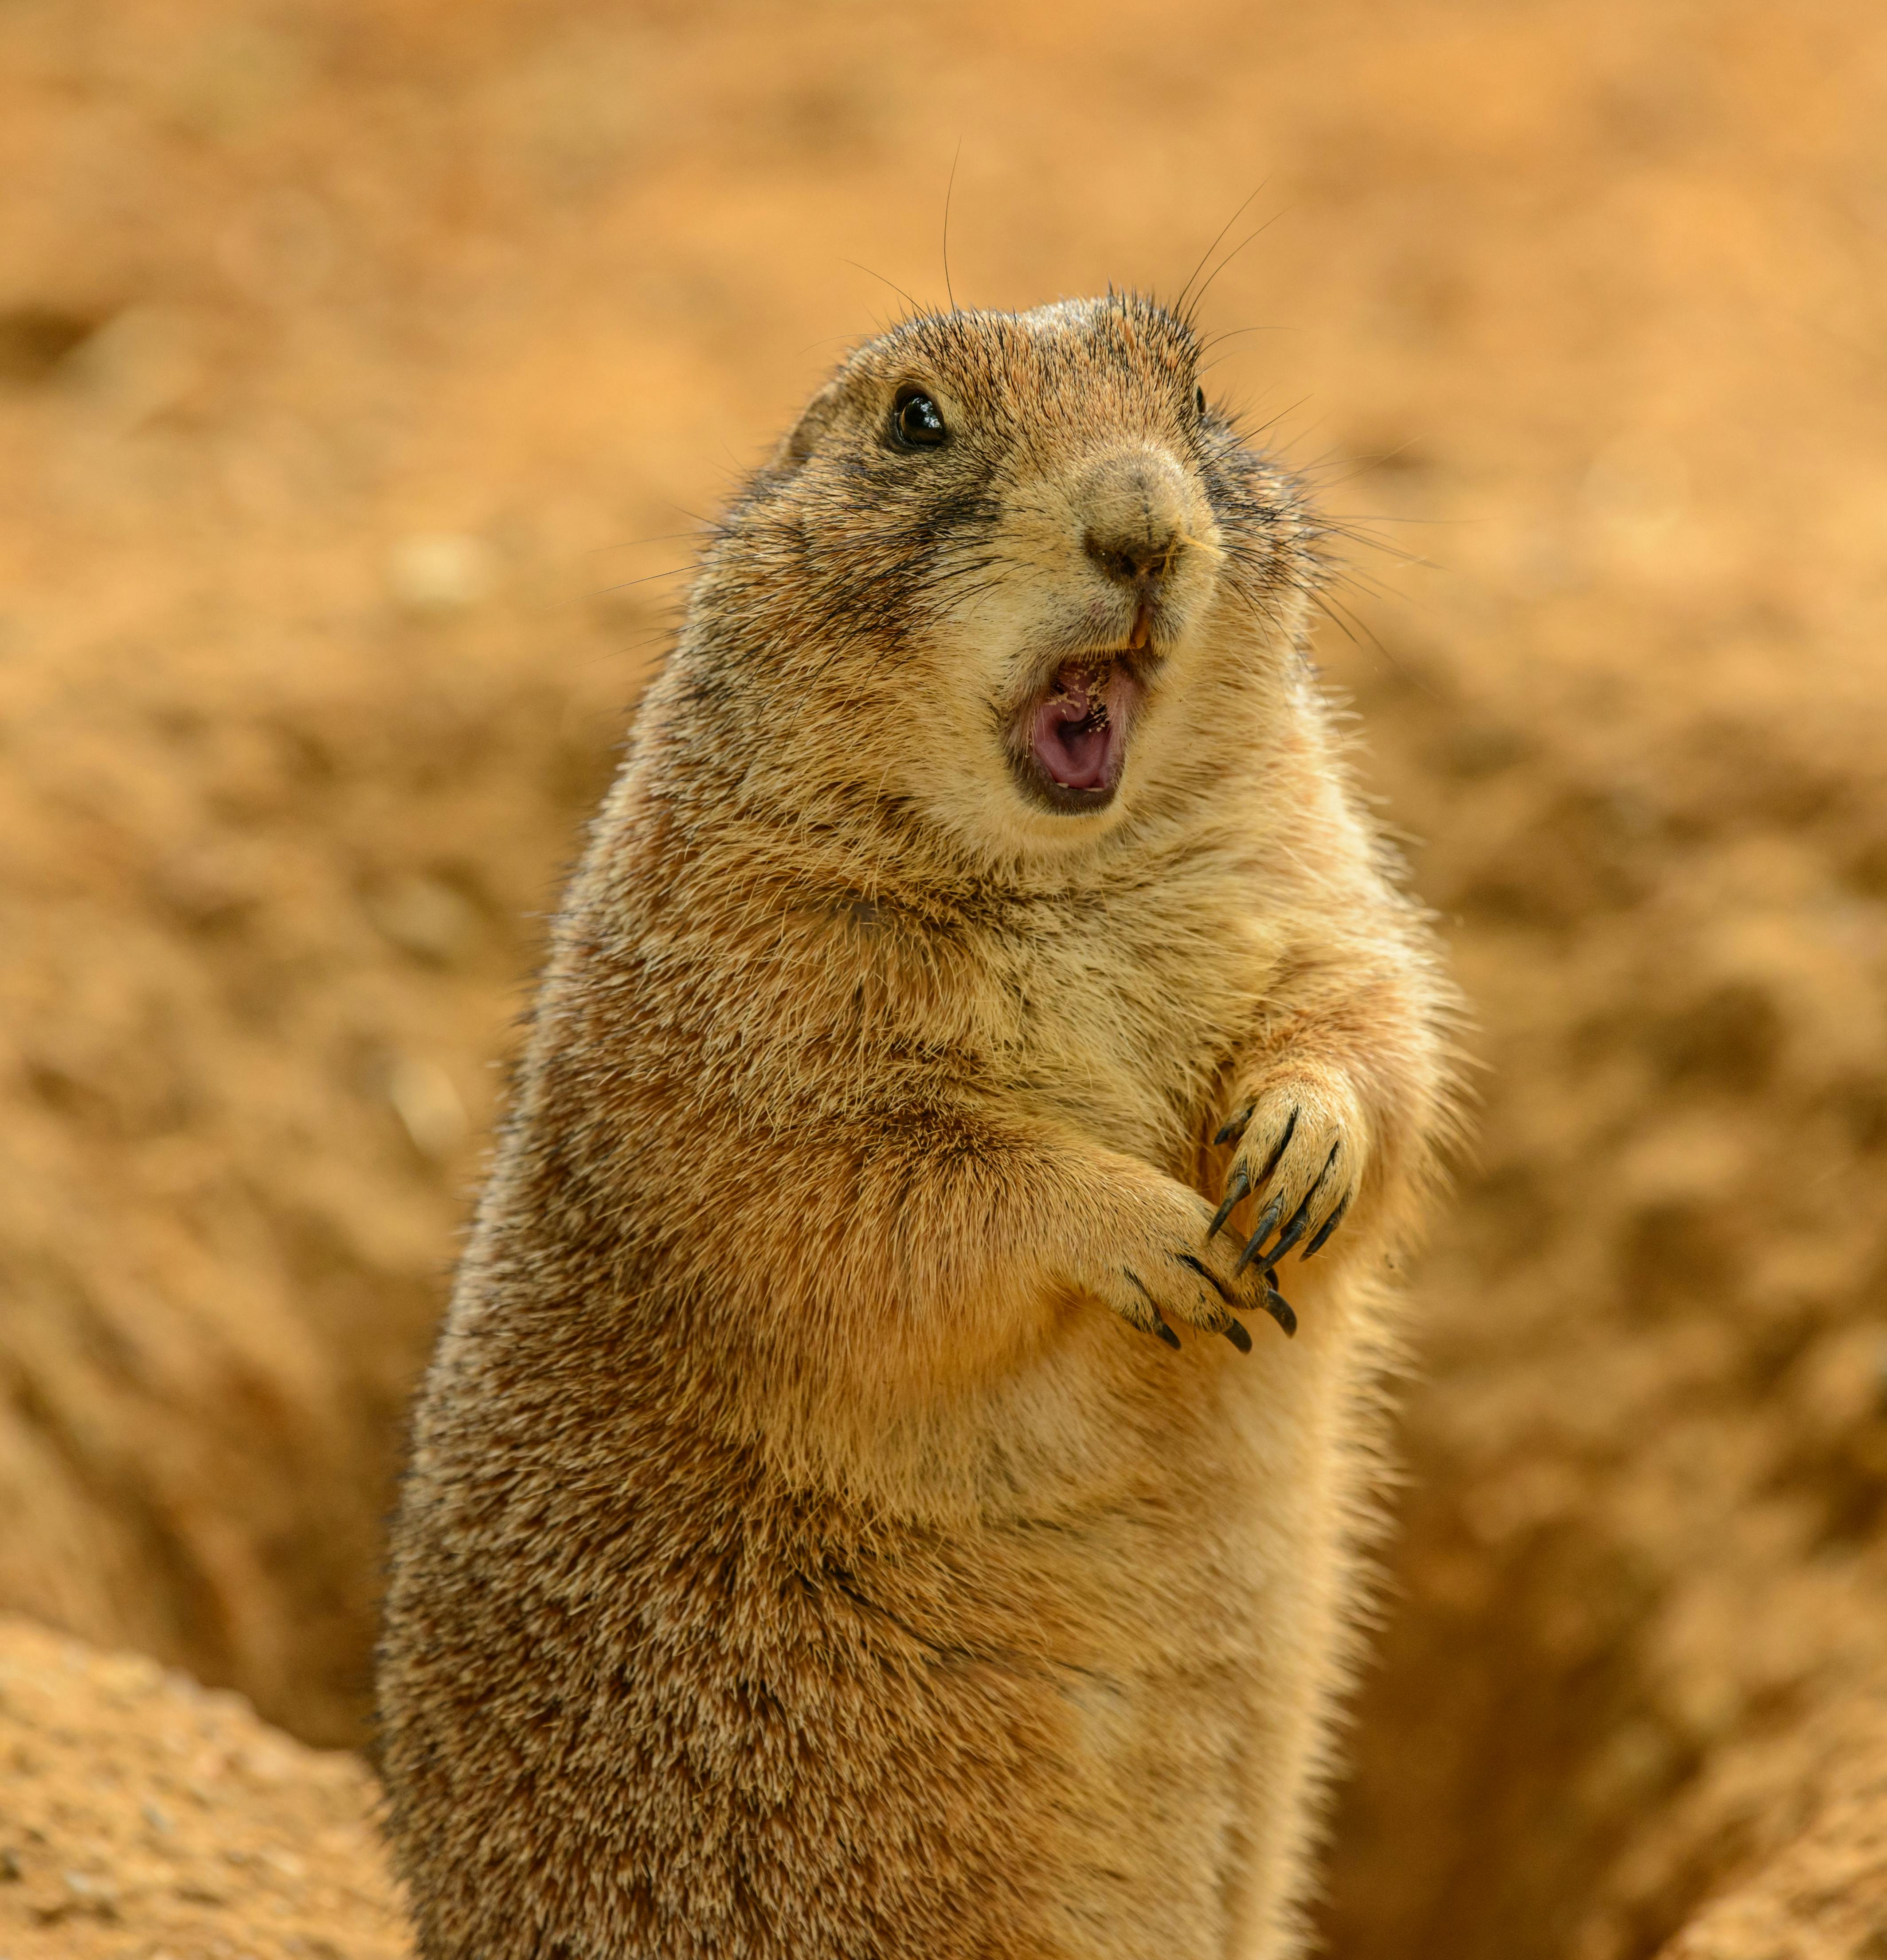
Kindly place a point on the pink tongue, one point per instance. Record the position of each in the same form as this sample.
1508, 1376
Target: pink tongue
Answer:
1070, 732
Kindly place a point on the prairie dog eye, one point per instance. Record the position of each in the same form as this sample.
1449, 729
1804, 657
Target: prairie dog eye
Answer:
1199, 400
916, 422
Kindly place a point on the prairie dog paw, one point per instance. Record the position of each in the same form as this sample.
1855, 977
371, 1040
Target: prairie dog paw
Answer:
1155, 1262
1300, 1154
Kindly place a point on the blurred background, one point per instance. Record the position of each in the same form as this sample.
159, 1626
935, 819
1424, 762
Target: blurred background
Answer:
364, 370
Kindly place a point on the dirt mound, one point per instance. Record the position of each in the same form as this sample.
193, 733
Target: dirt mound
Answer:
1785, 1841
343, 350
1820, 1893
147, 1815
1649, 1451
266, 949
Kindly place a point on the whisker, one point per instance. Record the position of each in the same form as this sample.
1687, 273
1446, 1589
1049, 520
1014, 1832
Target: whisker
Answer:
1198, 298
948, 188
633, 544
1180, 304
914, 306
625, 584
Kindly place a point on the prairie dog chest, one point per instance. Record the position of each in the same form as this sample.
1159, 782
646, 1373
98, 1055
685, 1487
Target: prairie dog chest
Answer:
1121, 1016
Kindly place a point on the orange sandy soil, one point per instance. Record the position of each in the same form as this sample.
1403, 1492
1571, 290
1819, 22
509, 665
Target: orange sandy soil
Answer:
357, 361
145, 1814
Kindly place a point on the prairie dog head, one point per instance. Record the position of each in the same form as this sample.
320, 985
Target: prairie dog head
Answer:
1011, 577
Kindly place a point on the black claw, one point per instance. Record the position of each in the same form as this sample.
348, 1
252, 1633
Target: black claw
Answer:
1301, 1219
1278, 1150
1281, 1311
1159, 1330
1237, 1187
1233, 1127
1235, 1333
1292, 1232
1206, 1274
1272, 1213
1328, 1226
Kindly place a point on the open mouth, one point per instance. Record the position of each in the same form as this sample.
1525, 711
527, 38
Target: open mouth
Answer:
1075, 732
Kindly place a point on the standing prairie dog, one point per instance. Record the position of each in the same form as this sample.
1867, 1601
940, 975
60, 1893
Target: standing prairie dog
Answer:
851, 1517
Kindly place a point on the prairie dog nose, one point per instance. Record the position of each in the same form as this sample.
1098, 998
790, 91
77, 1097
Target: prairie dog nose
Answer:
1135, 507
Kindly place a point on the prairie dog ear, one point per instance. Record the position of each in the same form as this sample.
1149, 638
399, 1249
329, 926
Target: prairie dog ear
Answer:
798, 445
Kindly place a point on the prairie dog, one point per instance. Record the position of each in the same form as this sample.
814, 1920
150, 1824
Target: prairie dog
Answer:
860, 1506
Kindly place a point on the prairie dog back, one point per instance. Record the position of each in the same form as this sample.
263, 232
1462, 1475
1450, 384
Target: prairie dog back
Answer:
865, 1501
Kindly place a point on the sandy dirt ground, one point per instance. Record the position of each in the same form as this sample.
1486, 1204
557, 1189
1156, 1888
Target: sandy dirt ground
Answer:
364, 373
146, 1814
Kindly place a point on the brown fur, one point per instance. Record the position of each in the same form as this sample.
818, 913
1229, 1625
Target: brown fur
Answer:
799, 1558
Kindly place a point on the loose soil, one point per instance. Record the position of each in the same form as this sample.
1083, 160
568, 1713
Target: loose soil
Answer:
365, 371
145, 1814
